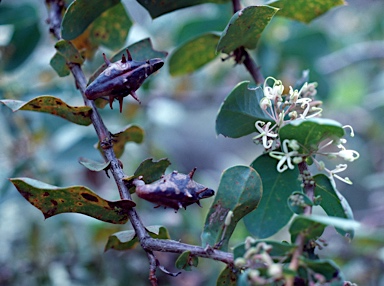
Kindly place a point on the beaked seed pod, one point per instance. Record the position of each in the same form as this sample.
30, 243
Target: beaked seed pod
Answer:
174, 190
122, 78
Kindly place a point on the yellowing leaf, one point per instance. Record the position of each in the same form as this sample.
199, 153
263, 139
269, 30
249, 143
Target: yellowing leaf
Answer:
52, 200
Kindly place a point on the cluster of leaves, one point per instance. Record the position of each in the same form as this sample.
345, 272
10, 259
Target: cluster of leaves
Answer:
259, 193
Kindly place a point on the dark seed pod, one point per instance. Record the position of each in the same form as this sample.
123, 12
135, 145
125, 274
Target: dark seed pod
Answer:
174, 190
122, 78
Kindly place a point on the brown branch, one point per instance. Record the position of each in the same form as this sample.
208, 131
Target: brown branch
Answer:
148, 244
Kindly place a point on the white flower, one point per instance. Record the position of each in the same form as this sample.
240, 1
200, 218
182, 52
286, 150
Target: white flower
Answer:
265, 102
284, 157
348, 155
266, 133
274, 92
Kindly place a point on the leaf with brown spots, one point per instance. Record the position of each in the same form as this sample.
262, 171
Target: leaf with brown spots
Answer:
132, 133
53, 105
52, 200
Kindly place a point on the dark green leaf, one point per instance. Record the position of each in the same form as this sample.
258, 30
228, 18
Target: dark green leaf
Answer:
93, 165
227, 277
125, 240
25, 35
140, 51
80, 14
53, 105
193, 54
52, 200
186, 261
273, 212
239, 111
278, 248
69, 52
239, 192
111, 28
159, 7
132, 133
325, 267
313, 226
310, 132
59, 64
152, 170
333, 203
303, 10
245, 28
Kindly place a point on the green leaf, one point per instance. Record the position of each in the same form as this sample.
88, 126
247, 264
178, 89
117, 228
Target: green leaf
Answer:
93, 165
52, 200
158, 231
313, 226
59, 64
325, 267
186, 261
152, 170
24, 22
111, 28
157, 8
273, 212
80, 14
303, 10
69, 52
310, 132
53, 105
333, 203
239, 192
132, 133
193, 54
140, 51
125, 240
239, 111
245, 28
278, 248
227, 277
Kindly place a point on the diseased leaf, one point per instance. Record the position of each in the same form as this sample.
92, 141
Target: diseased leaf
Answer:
332, 202
125, 240
69, 52
303, 10
111, 28
186, 261
53, 105
238, 194
245, 28
52, 200
227, 277
310, 132
273, 213
239, 111
80, 14
59, 64
157, 8
313, 226
140, 51
193, 54
93, 165
132, 133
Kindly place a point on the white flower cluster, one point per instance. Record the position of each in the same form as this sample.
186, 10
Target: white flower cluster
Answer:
298, 104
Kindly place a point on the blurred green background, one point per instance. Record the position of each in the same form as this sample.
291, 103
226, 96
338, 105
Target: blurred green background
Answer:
344, 51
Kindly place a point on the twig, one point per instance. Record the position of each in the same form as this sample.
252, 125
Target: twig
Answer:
148, 244
300, 239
